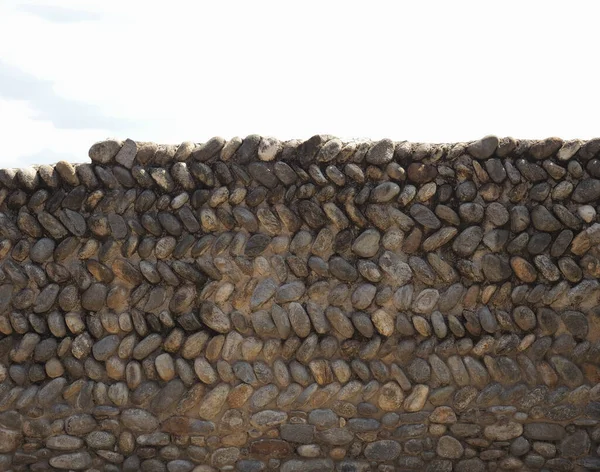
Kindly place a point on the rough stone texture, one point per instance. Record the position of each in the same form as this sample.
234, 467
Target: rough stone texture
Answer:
323, 305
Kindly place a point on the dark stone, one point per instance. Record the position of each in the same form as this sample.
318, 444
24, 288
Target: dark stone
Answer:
544, 431
588, 190
495, 268
421, 173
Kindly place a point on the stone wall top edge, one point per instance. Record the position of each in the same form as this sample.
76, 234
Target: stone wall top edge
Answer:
328, 149
319, 158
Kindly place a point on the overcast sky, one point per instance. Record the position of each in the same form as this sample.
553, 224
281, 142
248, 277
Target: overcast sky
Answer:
73, 72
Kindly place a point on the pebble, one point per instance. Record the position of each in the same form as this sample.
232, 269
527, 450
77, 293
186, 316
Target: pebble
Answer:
74, 461
383, 450
544, 431
467, 241
417, 398
495, 268
424, 216
449, 447
586, 191
367, 243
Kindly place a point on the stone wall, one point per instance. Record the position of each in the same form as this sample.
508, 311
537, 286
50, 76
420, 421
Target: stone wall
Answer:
302, 306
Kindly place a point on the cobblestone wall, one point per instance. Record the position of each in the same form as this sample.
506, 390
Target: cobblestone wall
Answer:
302, 306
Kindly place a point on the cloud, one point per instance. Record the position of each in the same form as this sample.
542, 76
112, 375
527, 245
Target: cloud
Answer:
63, 113
57, 14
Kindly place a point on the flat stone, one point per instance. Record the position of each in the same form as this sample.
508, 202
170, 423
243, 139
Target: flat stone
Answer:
74, 461
425, 216
64, 442
138, 420
298, 433
268, 418
335, 436
544, 431
309, 465
383, 450
503, 431
290, 292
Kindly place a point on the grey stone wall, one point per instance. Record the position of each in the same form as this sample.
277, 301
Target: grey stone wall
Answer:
302, 306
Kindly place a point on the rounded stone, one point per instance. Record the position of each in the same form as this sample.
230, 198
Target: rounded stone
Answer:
382, 451
390, 397
449, 447
367, 243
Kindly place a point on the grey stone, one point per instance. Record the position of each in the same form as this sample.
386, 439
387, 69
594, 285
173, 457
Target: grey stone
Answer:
484, 148
383, 450
449, 448
74, 461
367, 243
588, 190
139, 420
544, 431
309, 465
298, 433
467, 241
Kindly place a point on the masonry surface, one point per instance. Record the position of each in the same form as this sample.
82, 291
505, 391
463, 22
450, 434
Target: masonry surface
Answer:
322, 305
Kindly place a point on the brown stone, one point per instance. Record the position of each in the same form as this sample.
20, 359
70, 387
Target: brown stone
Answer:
275, 448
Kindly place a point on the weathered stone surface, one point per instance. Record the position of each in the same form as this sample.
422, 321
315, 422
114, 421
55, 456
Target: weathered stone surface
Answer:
544, 431
449, 447
9, 440
139, 420
503, 431
74, 461
384, 450
258, 304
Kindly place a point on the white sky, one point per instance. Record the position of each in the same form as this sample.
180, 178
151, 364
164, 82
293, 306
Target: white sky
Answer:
73, 72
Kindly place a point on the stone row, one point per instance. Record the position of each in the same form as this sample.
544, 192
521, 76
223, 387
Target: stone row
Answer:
198, 357
282, 311
328, 149
256, 393
440, 438
344, 254
164, 233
